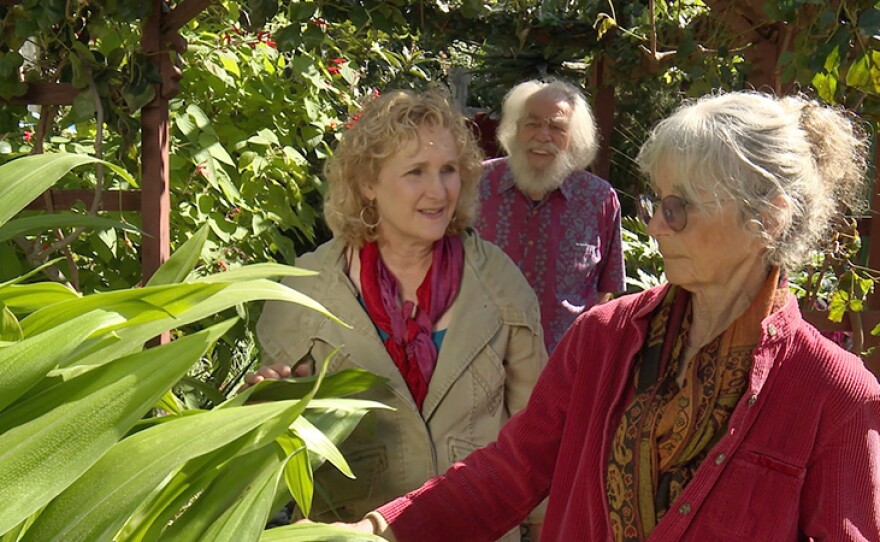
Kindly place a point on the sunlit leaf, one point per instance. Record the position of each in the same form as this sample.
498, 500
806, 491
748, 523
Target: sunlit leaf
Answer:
47, 444
136, 466
182, 262
23, 179
34, 224
298, 472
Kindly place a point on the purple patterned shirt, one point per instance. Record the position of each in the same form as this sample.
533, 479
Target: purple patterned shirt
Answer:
568, 246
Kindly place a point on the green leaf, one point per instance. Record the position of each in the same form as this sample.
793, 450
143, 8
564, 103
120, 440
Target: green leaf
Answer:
298, 472
134, 467
83, 107
258, 271
864, 73
23, 179
23, 364
315, 531
194, 479
148, 523
335, 419
10, 330
826, 86
199, 116
137, 305
869, 22
219, 153
837, 306
317, 442
10, 83
233, 506
230, 63
170, 404
48, 443
247, 518
31, 297
339, 384
182, 262
34, 224
210, 392
230, 296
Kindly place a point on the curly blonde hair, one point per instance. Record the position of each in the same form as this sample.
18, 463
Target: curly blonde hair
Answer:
384, 126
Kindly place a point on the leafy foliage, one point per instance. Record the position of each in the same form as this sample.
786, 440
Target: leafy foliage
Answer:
644, 264
78, 458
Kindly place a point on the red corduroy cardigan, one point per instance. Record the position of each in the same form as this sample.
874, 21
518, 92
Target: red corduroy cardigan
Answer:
800, 460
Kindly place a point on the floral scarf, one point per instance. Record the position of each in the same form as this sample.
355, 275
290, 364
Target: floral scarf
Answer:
409, 326
667, 430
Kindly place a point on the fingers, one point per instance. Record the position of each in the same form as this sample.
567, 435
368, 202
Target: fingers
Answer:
267, 372
274, 371
303, 369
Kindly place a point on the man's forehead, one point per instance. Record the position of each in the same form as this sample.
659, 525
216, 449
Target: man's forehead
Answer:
547, 107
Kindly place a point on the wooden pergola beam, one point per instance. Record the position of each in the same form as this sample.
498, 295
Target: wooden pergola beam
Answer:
64, 199
46, 94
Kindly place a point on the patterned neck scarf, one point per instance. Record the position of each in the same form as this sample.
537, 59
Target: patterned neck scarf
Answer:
409, 326
667, 430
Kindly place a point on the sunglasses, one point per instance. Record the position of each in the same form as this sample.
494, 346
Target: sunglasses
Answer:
674, 209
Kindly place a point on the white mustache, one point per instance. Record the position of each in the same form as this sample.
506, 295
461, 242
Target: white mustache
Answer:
546, 147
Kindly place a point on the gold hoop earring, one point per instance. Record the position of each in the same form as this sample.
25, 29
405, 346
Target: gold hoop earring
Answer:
372, 208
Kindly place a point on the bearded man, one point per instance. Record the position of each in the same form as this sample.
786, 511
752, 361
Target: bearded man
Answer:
558, 222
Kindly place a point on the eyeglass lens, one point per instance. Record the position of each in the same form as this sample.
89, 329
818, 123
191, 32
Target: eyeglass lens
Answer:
674, 211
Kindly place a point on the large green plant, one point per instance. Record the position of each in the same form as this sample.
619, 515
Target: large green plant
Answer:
78, 459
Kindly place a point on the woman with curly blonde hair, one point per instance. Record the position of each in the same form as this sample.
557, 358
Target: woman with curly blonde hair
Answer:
447, 318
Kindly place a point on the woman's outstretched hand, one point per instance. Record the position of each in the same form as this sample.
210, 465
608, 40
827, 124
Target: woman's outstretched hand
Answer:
274, 372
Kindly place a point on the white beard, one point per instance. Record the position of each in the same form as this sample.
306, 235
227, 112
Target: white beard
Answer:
539, 182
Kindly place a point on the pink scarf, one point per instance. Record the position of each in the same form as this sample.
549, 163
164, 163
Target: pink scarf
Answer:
409, 327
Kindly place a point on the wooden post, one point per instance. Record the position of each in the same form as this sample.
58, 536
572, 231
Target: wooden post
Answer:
603, 110
155, 173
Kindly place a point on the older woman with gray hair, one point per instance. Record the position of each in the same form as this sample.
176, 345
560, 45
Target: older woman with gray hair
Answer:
707, 408
446, 318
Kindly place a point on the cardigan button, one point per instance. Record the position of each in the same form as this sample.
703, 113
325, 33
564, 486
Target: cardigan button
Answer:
753, 399
771, 330
719, 459
684, 509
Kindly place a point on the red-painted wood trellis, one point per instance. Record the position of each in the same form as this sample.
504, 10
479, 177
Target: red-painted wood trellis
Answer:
160, 36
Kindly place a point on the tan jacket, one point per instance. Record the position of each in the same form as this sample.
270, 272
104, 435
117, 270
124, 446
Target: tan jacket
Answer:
489, 360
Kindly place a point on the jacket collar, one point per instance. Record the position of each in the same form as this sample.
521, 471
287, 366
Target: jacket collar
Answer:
363, 346
464, 340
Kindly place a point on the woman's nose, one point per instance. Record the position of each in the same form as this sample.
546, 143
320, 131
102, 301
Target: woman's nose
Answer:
436, 187
657, 225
